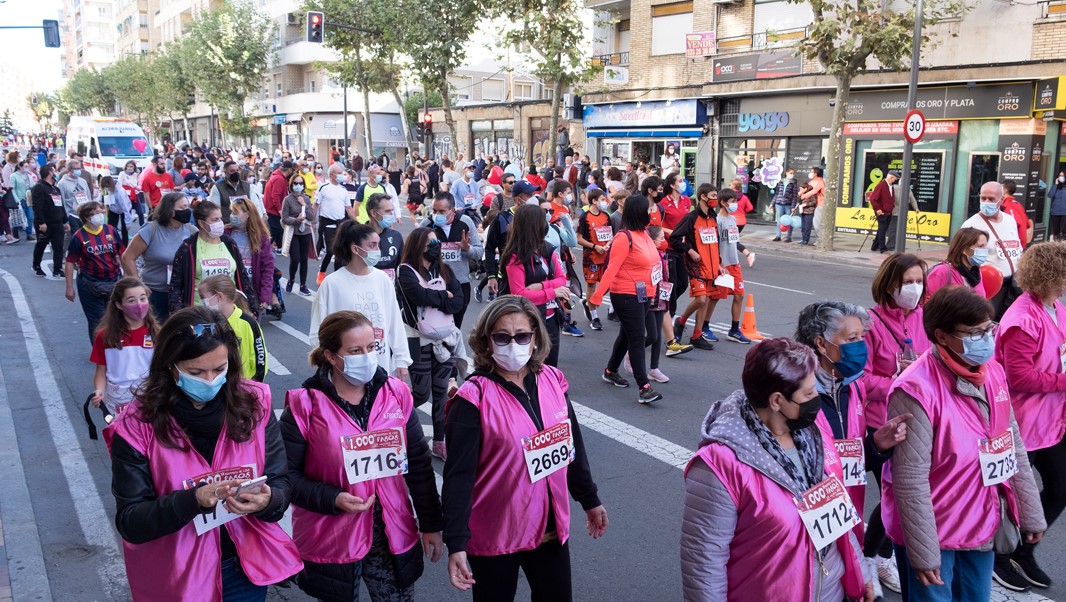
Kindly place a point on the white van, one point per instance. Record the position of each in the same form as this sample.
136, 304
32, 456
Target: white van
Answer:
108, 144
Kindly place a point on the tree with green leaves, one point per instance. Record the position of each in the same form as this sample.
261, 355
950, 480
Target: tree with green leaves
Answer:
417, 100
234, 48
43, 106
842, 37
182, 81
86, 91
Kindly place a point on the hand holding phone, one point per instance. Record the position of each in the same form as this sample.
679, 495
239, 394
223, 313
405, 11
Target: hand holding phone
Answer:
252, 486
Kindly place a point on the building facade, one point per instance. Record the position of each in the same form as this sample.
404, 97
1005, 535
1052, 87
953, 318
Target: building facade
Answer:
92, 27
133, 26
666, 63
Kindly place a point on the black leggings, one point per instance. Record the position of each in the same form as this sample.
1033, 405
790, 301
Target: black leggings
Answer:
118, 222
553, 334
327, 229
1050, 462
654, 337
634, 319
1056, 226
547, 570
466, 303
298, 251
876, 542
429, 382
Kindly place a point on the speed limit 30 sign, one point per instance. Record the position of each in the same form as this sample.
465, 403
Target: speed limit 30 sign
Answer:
914, 126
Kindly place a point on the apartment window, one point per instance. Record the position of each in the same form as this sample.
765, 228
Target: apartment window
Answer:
669, 24
103, 12
312, 86
781, 15
621, 39
523, 91
462, 86
492, 90
277, 90
144, 21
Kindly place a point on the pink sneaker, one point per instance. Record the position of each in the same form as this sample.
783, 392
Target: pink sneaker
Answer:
439, 450
658, 376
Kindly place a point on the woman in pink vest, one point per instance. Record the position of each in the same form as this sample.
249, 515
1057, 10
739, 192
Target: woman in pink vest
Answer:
960, 484
1031, 347
962, 266
183, 454
895, 319
765, 449
515, 456
352, 517
834, 330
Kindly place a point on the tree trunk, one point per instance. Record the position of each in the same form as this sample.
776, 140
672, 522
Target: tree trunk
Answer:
449, 119
834, 163
366, 122
553, 128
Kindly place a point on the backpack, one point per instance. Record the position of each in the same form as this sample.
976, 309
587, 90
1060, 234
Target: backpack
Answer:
432, 323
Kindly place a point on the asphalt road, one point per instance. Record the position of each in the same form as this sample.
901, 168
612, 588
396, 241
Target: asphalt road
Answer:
58, 490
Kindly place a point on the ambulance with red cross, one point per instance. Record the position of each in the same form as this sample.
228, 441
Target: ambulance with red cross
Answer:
108, 143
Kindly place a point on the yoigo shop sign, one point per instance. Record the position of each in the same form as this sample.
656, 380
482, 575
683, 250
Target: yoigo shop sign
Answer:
768, 122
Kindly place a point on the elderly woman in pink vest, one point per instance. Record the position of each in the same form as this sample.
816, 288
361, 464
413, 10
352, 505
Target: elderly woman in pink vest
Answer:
199, 472
895, 337
766, 489
835, 330
515, 456
1031, 347
960, 485
357, 461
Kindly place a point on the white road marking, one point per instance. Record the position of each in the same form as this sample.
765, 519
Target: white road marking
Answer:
289, 330
631, 436
780, 288
95, 523
276, 367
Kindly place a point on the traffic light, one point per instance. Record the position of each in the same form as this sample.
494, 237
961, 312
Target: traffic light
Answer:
315, 23
33, 100
51, 33
427, 122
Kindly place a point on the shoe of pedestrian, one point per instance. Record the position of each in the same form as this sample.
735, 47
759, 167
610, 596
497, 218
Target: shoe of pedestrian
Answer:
615, 379
776, 239
739, 337
55, 277
751, 259
676, 347
679, 328
11, 241
596, 324
492, 297
31, 238
709, 334
39, 271
321, 277
305, 291
439, 450
572, 330
1004, 573
787, 240
888, 573
658, 376
61, 273
477, 295
648, 395
1026, 566
288, 287
588, 310
612, 316
702, 343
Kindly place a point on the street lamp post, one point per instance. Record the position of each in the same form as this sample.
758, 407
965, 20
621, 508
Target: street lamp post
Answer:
903, 196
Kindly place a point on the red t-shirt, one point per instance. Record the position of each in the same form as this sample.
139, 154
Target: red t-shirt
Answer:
156, 184
1014, 209
672, 213
536, 181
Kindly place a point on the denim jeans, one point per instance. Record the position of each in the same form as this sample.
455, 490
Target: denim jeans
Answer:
160, 302
808, 225
235, 585
28, 210
780, 210
92, 305
967, 575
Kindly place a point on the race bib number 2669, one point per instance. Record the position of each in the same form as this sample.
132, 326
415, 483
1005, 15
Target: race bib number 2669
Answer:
548, 451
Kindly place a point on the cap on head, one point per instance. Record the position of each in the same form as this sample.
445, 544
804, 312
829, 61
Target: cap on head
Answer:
523, 187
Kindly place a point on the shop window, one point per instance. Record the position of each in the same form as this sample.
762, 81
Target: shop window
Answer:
984, 167
669, 24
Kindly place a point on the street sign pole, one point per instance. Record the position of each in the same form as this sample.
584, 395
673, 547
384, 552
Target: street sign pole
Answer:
903, 197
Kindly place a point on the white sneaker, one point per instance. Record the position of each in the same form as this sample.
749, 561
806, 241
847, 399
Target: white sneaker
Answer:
658, 376
888, 574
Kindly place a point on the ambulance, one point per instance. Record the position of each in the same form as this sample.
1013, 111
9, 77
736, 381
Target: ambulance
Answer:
108, 143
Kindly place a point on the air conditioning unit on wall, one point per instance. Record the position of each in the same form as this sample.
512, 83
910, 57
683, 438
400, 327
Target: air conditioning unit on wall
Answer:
292, 19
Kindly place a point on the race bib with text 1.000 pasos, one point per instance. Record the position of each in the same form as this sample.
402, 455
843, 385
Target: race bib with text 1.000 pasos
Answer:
221, 515
853, 461
998, 462
215, 266
827, 512
548, 451
373, 455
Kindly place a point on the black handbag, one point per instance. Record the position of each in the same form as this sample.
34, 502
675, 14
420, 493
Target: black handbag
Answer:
99, 288
10, 202
89, 419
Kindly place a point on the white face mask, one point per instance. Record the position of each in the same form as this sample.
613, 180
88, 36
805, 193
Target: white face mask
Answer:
512, 357
98, 219
216, 229
908, 295
360, 369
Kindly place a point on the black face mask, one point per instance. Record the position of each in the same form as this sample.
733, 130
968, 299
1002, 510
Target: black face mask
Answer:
183, 215
808, 414
234, 177
432, 253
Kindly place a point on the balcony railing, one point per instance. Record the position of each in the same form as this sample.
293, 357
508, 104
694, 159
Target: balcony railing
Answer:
291, 91
1053, 9
762, 40
618, 59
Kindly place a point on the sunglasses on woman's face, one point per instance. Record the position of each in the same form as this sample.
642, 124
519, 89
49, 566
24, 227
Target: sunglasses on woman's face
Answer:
502, 339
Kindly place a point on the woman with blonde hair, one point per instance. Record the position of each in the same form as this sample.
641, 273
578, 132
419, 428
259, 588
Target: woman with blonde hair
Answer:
220, 294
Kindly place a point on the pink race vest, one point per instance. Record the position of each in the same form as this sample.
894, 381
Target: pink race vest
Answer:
966, 511
182, 565
856, 428
1041, 416
344, 538
510, 512
770, 533
888, 329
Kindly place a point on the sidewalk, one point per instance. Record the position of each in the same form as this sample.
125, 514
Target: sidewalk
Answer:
758, 238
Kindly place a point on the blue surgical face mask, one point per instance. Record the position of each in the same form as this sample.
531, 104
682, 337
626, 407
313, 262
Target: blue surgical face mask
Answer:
733, 207
360, 369
198, 389
379, 178
989, 209
387, 221
980, 351
372, 257
979, 257
440, 220
852, 360
75, 173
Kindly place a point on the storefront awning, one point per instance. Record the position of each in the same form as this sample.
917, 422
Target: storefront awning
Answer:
695, 132
386, 129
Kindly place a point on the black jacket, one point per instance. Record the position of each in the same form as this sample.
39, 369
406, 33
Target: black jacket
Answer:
183, 276
45, 210
411, 295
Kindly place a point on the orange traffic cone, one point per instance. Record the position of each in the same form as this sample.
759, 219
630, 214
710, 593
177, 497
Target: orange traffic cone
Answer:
747, 324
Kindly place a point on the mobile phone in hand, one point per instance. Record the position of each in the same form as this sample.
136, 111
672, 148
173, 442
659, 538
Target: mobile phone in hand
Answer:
252, 486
